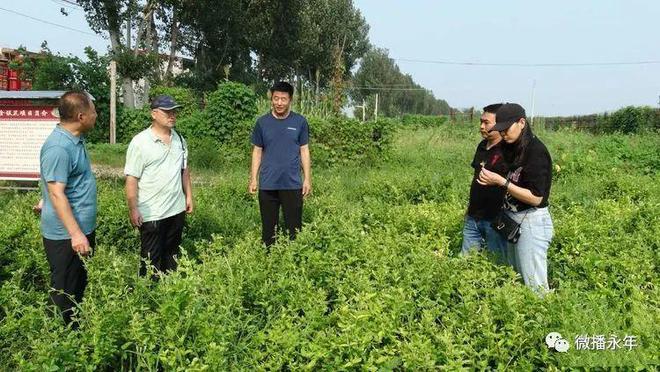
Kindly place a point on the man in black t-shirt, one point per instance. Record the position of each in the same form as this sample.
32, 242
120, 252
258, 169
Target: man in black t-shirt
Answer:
485, 201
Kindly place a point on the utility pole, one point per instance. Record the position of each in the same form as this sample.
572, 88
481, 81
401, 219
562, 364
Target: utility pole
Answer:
113, 102
364, 109
376, 108
533, 92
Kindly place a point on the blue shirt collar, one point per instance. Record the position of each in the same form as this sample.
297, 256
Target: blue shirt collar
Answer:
69, 135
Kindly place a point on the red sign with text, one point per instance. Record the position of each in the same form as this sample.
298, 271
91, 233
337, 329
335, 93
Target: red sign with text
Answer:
23, 130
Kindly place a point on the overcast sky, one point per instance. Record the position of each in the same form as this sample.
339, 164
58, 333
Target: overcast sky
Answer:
486, 32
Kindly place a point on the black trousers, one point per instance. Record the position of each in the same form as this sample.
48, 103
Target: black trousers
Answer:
68, 275
160, 242
269, 206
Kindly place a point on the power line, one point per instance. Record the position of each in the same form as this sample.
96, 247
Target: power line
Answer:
385, 88
68, 5
71, 3
404, 85
49, 22
388, 86
460, 63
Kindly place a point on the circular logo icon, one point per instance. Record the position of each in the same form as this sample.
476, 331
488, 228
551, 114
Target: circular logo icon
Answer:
552, 338
561, 345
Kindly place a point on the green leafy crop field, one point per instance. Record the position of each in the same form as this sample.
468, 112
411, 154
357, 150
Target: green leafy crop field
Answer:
373, 282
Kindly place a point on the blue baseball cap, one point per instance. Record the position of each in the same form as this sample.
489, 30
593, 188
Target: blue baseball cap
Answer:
164, 103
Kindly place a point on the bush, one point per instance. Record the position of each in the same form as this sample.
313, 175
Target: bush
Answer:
337, 141
627, 120
131, 122
423, 121
333, 141
633, 119
220, 134
226, 108
204, 153
195, 125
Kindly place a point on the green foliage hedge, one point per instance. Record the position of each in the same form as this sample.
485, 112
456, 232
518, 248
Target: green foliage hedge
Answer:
423, 121
227, 108
333, 142
220, 133
340, 141
131, 122
633, 119
628, 120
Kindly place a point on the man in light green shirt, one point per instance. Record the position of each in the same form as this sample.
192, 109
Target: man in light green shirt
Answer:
158, 186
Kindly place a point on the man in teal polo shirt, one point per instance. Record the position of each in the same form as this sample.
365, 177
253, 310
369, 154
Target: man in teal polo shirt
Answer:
158, 186
68, 189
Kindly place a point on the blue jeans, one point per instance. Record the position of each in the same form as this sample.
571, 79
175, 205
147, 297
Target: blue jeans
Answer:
529, 256
477, 234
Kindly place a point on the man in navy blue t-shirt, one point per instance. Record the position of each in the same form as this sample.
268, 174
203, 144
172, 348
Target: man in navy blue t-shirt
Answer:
281, 146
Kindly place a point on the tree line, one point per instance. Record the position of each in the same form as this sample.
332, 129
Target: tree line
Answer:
320, 45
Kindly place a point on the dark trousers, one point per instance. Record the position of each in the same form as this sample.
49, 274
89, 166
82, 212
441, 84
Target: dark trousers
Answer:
269, 206
68, 275
160, 242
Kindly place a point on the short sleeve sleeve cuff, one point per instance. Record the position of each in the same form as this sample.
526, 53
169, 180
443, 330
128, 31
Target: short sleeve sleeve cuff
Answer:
134, 166
257, 137
304, 133
55, 165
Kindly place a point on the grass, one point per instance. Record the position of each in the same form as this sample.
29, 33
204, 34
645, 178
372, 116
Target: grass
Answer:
108, 155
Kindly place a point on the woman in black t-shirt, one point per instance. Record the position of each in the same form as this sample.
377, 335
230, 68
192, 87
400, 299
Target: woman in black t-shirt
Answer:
527, 190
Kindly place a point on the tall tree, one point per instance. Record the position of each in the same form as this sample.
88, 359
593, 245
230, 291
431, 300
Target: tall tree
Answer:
266, 40
109, 18
217, 34
276, 28
170, 16
331, 26
397, 92
315, 43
